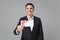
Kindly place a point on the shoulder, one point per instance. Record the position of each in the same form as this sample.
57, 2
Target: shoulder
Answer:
37, 18
23, 18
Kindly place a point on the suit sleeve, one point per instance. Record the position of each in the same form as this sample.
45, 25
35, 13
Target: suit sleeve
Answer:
15, 31
40, 32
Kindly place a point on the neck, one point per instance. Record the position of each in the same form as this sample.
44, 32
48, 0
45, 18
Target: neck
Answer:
30, 16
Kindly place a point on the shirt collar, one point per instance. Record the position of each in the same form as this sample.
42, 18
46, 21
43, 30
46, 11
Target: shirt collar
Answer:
29, 18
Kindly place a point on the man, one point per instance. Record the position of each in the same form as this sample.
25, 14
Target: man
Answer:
30, 25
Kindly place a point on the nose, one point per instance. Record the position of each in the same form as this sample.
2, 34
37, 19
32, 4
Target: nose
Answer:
29, 9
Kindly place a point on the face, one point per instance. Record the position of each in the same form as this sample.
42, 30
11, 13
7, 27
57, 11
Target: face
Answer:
29, 10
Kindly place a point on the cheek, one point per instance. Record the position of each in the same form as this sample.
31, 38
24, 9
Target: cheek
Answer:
27, 10
32, 9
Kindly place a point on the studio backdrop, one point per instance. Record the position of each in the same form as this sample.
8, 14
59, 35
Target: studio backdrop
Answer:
47, 10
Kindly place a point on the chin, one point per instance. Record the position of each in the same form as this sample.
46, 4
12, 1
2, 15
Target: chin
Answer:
30, 14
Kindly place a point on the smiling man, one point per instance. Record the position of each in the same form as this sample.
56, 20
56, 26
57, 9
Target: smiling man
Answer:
30, 25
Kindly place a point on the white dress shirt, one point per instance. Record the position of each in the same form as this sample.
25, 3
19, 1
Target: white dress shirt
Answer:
31, 22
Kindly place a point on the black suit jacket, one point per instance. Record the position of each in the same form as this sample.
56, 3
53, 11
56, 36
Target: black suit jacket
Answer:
36, 33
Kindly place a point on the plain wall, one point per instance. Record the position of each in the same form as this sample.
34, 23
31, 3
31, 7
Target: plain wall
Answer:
47, 10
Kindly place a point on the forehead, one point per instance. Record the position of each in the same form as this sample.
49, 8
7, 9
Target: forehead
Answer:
29, 6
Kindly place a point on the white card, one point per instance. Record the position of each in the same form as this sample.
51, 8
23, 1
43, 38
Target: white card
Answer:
28, 23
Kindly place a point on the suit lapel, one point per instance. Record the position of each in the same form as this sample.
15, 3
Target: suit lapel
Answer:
25, 18
34, 25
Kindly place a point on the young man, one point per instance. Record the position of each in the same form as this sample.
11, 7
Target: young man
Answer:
30, 25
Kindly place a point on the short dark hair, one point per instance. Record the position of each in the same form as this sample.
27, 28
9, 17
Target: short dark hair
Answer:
29, 4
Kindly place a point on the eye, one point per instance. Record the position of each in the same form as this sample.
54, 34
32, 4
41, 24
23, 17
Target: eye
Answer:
31, 8
27, 8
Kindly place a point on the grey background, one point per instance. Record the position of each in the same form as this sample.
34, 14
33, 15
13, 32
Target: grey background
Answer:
47, 10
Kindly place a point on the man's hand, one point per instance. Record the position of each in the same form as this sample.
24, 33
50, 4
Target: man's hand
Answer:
21, 27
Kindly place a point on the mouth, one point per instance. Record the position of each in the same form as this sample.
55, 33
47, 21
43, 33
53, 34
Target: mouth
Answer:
29, 12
